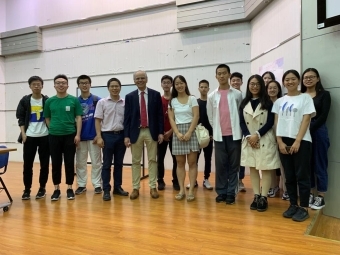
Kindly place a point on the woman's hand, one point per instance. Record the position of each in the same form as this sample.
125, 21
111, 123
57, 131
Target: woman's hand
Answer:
282, 148
180, 136
187, 136
253, 141
295, 147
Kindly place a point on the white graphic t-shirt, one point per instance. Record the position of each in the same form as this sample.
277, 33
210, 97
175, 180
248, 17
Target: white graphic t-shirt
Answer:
290, 111
37, 126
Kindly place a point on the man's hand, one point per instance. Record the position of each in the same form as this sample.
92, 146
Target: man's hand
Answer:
160, 138
167, 135
100, 142
77, 140
127, 142
24, 137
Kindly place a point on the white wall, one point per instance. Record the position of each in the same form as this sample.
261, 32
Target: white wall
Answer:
2, 101
118, 46
320, 49
2, 15
25, 13
278, 24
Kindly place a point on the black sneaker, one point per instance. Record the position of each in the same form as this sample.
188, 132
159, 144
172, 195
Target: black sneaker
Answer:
80, 190
176, 185
230, 200
70, 194
221, 198
41, 193
26, 195
301, 215
56, 195
98, 190
262, 204
253, 205
161, 184
290, 211
319, 203
106, 196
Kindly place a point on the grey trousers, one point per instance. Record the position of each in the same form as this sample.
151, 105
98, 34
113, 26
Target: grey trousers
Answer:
227, 160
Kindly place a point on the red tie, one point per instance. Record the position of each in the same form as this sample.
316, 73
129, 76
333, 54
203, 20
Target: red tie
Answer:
143, 115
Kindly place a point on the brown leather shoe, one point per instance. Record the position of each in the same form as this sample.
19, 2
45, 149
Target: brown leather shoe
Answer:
154, 193
134, 194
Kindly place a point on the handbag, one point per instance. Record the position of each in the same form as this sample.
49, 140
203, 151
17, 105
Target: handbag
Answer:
203, 136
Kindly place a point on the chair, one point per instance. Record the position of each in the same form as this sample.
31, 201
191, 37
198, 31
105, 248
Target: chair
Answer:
3, 169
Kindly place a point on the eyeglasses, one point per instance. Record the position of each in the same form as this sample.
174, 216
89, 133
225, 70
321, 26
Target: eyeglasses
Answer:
309, 77
253, 85
61, 83
166, 83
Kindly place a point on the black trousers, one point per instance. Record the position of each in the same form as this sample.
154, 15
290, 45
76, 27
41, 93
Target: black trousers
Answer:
297, 171
31, 145
161, 151
207, 159
62, 146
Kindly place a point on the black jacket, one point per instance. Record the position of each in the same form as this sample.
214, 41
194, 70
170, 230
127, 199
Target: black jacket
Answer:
24, 112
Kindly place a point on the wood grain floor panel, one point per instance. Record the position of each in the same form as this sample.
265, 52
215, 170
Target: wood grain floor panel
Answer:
88, 225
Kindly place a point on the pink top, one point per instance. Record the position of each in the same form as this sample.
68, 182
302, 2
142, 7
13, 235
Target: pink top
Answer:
225, 113
111, 113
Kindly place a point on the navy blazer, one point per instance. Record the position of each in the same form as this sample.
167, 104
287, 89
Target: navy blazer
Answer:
132, 115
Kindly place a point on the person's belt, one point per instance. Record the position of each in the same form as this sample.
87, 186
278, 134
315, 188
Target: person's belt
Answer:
143, 127
114, 132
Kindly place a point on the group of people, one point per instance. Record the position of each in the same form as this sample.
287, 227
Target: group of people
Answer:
260, 130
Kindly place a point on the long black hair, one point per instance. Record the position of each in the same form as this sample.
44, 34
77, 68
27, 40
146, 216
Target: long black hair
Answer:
318, 86
263, 96
270, 74
174, 92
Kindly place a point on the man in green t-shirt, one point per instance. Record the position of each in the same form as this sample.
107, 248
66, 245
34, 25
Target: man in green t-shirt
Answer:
63, 118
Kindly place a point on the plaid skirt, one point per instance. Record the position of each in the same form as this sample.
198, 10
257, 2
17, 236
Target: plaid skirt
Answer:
183, 147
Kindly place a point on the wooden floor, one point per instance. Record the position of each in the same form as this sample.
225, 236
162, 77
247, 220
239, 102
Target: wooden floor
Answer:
88, 225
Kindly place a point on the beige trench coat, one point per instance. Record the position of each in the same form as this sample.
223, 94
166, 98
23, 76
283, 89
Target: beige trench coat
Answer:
266, 157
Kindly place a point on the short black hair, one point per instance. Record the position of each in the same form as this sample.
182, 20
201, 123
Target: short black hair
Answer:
35, 78
223, 66
203, 81
167, 77
83, 77
113, 79
63, 76
237, 75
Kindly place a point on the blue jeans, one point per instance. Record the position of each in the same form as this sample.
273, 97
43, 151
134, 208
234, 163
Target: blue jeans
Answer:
319, 163
114, 148
227, 160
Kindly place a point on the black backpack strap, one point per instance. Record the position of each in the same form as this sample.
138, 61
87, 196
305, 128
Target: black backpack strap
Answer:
95, 100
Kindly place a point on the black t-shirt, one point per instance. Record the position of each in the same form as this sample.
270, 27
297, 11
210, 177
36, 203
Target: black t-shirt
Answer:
204, 116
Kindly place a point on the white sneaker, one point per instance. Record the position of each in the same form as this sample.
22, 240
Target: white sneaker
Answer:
241, 186
275, 190
207, 185
311, 199
319, 203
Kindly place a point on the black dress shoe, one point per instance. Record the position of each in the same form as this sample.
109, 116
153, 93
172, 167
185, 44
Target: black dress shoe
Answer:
161, 185
175, 185
106, 196
120, 192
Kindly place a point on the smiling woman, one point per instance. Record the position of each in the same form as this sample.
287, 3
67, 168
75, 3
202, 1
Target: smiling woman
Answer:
292, 117
312, 86
258, 143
